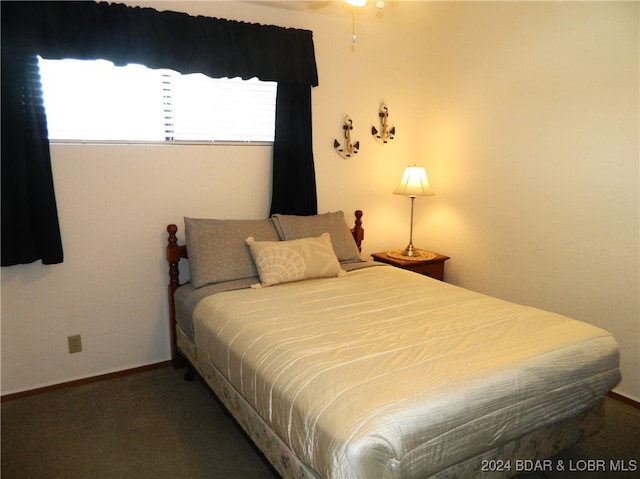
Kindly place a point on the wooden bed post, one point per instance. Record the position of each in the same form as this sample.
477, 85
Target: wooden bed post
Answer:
358, 231
174, 253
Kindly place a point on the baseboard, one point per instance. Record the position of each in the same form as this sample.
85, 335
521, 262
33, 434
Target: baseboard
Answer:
624, 399
79, 382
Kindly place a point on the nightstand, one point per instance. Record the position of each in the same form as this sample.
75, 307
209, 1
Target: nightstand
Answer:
433, 268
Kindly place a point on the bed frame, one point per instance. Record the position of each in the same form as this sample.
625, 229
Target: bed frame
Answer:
536, 445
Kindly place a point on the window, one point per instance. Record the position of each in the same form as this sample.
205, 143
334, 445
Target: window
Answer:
97, 101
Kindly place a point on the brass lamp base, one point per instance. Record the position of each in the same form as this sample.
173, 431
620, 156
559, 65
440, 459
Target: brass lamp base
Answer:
411, 253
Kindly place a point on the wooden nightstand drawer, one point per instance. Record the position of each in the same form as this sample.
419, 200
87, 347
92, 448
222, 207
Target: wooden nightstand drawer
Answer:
433, 268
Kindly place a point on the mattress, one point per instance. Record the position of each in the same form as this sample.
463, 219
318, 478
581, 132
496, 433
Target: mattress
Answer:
386, 373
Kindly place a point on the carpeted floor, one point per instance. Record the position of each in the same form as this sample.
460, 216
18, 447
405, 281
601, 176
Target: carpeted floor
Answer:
154, 425
150, 425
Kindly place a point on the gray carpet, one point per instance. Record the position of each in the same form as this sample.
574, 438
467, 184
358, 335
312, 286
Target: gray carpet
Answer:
155, 425
144, 426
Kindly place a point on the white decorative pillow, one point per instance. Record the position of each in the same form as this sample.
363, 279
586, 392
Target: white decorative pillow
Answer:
295, 260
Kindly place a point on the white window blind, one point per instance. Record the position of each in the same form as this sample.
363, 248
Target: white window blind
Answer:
97, 101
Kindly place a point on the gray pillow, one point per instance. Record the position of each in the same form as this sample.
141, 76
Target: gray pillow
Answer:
292, 227
218, 250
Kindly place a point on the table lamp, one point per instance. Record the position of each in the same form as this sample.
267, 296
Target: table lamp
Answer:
414, 183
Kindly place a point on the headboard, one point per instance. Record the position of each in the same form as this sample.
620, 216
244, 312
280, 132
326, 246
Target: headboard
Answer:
176, 252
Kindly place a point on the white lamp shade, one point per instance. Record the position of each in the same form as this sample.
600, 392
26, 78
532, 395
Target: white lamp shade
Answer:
357, 3
414, 183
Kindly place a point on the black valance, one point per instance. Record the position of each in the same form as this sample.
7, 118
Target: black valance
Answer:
181, 42
123, 34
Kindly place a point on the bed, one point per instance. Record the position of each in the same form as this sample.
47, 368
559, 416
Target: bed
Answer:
337, 367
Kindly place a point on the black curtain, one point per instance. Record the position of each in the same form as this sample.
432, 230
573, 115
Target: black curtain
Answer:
294, 184
122, 34
30, 229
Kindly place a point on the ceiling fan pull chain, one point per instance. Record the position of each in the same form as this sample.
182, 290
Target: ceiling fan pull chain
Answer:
353, 26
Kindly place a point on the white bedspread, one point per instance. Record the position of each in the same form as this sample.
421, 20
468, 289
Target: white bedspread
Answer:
386, 373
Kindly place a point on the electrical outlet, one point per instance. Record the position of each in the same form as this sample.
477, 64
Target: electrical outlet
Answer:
75, 343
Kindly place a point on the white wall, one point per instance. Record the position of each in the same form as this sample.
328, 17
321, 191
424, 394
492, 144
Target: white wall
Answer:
536, 183
531, 130
114, 203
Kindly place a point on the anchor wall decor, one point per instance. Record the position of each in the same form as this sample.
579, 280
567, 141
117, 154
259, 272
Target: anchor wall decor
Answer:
349, 149
386, 132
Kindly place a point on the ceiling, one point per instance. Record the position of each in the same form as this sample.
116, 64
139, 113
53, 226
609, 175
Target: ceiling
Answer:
397, 12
